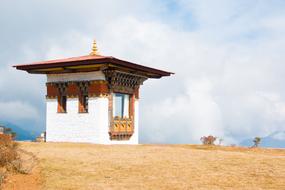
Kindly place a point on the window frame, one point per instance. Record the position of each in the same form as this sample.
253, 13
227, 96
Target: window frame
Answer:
83, 103
123, 105
62, 104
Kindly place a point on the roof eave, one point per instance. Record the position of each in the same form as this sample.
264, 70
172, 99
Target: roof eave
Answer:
153, 73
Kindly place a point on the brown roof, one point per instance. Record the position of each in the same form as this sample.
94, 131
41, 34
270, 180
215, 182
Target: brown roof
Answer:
87, 63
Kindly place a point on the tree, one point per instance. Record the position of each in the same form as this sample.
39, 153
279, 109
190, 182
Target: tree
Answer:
256, 141
209, 140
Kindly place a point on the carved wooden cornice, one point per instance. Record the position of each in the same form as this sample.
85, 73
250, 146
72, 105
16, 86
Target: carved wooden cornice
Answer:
119, 81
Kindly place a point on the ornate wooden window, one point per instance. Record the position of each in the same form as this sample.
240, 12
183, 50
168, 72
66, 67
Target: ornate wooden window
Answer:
122, 116
83, 96
83, 103
125, 86
61, 98
61, 108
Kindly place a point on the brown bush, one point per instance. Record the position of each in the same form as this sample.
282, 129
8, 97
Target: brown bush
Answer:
209, 140
8, 150
9, 158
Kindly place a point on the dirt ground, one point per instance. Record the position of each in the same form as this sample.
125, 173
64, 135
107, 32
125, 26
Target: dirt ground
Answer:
23, 182
70, 166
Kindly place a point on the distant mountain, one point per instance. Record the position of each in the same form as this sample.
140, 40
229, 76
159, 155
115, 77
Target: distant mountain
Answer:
274, 140
21, 134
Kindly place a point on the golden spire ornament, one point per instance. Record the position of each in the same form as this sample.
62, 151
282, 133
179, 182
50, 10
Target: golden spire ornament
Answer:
94, 49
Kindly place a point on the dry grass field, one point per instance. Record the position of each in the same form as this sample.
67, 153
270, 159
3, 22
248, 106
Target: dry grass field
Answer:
68, 166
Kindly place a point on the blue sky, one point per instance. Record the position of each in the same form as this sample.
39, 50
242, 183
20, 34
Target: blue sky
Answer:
228, 57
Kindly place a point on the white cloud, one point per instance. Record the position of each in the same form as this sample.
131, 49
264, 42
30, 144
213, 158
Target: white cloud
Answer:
190, 115
16, 111
279, 136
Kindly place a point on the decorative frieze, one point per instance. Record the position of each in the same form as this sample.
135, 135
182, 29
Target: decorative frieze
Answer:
52, 91
98, 88
74, 89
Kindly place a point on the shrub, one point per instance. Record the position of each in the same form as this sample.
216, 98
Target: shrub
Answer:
209, 140
13, 159
8, 152
9, 158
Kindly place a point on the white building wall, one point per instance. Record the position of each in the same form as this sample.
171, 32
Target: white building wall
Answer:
91, 127
77, 127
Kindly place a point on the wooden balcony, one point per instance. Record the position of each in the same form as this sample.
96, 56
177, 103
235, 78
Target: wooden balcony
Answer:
121, 128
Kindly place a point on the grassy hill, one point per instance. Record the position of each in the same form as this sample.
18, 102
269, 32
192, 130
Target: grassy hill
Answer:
85, 166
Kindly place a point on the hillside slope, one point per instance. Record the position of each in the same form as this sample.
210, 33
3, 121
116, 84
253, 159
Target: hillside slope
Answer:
86, 166
21, 134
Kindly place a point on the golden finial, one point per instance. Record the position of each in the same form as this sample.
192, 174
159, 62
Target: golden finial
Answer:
94, 49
